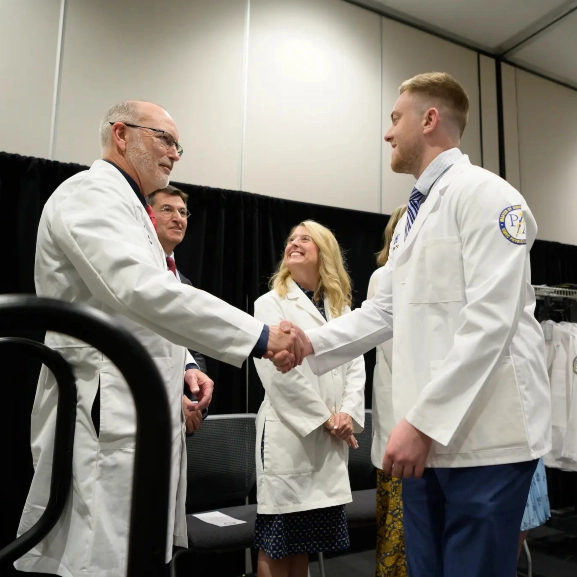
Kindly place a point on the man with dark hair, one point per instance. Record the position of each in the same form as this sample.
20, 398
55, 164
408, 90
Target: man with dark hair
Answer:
169, 206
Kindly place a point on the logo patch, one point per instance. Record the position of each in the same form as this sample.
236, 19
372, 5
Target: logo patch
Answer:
575, 365
512, 224
396, 242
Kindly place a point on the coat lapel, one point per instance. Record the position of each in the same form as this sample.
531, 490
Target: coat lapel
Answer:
296, 295
431, 203
126, 191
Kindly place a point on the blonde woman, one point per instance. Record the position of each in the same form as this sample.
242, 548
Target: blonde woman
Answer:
390, 549
305, 424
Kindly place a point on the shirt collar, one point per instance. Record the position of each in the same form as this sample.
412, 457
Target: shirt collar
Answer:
130, 181
436, 169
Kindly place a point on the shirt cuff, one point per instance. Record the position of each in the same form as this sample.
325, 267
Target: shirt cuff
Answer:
260, 347
191, 366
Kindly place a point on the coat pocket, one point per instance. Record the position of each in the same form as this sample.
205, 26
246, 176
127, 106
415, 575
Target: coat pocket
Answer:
285, 451
496, 420
117, 412
440, 262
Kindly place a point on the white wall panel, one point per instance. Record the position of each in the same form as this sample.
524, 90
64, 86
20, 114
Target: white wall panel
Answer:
186, 55
313, 103
548, 153
407, 52
28, 46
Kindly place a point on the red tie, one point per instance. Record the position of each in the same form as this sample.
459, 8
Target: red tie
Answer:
171, 265
152, 217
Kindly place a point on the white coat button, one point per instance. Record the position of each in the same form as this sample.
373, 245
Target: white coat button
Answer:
335, 372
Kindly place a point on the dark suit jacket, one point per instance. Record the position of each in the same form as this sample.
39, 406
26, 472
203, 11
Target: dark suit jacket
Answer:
200, 361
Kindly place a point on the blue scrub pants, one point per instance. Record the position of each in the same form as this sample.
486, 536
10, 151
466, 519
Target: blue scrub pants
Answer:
465, 522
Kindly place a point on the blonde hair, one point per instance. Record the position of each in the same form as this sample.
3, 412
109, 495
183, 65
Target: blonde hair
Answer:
383, 255
334, 281
443, 88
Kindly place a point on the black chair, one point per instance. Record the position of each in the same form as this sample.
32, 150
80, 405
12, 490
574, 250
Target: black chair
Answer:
221, 474
362, 512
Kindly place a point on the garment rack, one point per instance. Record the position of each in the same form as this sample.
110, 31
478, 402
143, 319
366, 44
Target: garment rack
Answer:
542, 291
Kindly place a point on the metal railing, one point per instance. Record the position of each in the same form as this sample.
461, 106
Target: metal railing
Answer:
151, 478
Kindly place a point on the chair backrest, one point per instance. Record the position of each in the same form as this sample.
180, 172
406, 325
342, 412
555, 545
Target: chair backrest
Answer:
362, 473
221, 467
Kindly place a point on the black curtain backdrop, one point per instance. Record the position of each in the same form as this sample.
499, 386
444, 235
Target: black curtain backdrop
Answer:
233, 243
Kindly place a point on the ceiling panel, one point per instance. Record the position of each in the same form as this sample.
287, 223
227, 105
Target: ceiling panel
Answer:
486, 23
553, 52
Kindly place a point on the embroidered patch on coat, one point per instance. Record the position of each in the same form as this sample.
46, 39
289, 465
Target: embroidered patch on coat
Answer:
512, 224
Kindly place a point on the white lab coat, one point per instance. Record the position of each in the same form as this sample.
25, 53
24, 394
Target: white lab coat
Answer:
561, 341
383, 416
305, 467
468, 355
97, 246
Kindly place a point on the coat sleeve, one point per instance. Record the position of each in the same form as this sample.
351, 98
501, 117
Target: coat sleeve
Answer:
496, 276
291, 394
101, 234
373, 284
354, 393
200, 361
345, 338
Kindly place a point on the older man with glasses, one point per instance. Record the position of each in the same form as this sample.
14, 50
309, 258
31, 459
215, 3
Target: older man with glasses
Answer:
97, 245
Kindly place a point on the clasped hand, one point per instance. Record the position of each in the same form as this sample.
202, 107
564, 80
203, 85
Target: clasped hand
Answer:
287, 346
341, 426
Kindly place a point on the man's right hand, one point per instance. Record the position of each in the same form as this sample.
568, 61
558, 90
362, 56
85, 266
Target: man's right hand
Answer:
287, 346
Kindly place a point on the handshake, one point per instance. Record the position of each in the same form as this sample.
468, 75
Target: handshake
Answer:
287, 346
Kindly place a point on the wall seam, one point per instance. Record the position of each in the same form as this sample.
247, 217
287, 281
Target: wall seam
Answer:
480, 91
518, 133
57, 78
244, 96
381, 136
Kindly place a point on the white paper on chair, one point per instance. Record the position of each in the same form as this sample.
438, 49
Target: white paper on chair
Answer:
219, 519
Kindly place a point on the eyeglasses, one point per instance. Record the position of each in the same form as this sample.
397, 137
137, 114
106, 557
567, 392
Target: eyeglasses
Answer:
166, 138
168, 211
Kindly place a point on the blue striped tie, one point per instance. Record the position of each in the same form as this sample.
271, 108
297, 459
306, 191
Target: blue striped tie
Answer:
415, 201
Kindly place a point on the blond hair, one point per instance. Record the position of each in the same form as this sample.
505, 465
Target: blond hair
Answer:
334, 281
444, 89
383, 255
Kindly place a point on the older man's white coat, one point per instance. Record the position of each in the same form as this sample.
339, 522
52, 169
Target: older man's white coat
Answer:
97, 246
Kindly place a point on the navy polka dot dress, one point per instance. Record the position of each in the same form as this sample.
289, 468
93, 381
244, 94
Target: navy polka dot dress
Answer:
303, 532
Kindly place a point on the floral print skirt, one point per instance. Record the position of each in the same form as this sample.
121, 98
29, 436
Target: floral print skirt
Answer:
391, 560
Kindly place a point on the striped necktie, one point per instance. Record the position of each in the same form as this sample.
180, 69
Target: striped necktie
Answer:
415, 201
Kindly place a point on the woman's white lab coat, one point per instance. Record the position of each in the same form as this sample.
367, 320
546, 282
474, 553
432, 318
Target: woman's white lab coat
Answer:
304, 466
383, 417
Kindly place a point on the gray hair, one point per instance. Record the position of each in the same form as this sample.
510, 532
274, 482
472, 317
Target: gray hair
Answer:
125, 111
